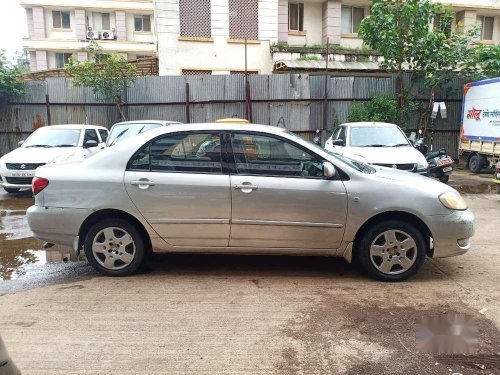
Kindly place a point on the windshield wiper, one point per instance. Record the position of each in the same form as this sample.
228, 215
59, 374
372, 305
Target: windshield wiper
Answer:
64, 146
117, 137
46, 146
374, 146
400, 145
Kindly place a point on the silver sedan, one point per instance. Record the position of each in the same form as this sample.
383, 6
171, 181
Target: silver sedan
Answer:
246, 189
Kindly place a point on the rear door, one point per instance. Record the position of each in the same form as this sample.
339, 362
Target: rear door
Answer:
177, 183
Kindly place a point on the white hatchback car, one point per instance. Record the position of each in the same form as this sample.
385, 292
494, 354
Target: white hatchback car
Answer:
377, 143
46, 145
126, 129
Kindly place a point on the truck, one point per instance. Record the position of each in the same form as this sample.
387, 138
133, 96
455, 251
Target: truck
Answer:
480, 129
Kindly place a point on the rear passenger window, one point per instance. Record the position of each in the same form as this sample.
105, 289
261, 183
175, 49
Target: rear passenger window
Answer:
193, 152
264, 155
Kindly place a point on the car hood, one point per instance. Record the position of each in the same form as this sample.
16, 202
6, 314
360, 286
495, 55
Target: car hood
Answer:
383, 155
38, 154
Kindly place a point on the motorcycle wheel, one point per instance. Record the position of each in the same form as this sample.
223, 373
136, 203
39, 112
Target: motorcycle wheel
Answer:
444, 178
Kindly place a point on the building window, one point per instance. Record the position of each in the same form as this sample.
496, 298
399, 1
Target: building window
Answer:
195, 72
62, 59
438, 24
244, 19
235, 72
351, 19
101, 21
195, 18
142, 23
296, 17
61, 20
485, 26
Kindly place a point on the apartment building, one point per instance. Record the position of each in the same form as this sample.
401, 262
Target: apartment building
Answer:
59, 29
207, 36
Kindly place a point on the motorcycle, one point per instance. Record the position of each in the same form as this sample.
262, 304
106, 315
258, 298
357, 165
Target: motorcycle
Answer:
440, 163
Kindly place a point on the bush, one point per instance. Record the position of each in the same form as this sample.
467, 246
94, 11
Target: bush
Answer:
379, 109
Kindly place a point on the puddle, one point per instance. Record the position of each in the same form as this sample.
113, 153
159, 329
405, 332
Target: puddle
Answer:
19, 251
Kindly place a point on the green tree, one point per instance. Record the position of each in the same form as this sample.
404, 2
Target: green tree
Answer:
11, 85
107, 75
485, 62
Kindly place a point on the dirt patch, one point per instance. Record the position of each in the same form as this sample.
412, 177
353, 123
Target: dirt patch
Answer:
338, 337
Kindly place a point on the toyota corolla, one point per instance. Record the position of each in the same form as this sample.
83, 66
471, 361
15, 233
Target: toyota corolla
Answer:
252, 189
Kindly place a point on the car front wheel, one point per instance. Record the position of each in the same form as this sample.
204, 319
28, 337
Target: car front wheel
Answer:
392, 251
114, 247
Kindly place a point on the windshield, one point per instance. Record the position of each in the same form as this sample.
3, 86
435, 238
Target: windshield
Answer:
121, 132
362, 167
377, 136
53, 137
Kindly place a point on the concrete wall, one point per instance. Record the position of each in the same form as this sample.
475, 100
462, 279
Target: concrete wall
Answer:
218, 54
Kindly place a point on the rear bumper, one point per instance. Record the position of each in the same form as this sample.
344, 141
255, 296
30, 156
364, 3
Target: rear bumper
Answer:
56, 225
451, 233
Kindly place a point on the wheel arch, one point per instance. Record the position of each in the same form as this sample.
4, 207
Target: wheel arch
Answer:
394, 215
99, 215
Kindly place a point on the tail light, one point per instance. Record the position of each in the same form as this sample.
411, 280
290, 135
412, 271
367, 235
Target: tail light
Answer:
39, 184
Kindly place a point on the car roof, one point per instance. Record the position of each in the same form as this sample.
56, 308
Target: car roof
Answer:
162, 122
367, 124
217, 127
75, 126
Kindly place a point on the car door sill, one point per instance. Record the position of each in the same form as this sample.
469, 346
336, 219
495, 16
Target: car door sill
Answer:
285, 223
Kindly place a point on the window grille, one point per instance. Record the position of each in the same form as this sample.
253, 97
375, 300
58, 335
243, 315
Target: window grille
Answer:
195, 18
244, 19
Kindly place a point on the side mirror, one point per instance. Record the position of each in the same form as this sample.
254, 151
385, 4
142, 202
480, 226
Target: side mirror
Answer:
90, 144
328, 170
338, 142
20, 143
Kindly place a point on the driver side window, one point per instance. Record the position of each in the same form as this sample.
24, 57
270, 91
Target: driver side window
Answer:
265, 155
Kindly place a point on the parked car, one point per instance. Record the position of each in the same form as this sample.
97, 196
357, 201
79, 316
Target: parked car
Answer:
254, 189
377, 143
124, 130
46, 145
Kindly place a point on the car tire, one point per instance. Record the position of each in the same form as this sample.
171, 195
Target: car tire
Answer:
12, 190
381, 254
115, 247
475, 163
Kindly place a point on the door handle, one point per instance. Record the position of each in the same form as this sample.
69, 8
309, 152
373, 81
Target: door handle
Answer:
246, 187
143, 184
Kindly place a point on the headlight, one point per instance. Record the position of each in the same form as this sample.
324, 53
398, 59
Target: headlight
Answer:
453, 201
422, 163
3, 166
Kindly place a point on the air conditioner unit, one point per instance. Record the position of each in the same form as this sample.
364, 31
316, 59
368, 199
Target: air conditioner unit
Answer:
108, 34
91, 34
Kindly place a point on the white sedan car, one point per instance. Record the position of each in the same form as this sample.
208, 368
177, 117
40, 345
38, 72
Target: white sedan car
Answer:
377, 143
46, 145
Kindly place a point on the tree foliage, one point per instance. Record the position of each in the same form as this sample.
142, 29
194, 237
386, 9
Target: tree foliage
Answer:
11, 85
107, 75
485, 62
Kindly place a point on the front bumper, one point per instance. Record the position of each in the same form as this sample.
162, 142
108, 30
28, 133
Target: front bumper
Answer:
56, 225
451, 233
11, 179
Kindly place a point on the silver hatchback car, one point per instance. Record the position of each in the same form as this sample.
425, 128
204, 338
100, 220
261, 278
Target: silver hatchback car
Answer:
246, 189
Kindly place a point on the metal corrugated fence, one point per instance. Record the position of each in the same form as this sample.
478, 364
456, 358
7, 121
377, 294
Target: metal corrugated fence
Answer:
293, 101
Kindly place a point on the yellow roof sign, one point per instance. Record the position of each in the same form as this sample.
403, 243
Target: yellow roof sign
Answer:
232, 121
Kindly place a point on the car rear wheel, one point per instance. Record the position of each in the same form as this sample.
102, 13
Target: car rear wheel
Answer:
114, 247
392, 251
12, 190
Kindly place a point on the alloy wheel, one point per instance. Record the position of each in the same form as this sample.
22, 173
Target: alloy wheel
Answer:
113, 248
393, 252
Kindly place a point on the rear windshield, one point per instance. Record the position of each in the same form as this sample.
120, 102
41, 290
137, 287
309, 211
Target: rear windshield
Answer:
121, 132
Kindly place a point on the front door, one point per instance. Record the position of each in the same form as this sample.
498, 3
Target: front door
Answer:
280, 198
178, 185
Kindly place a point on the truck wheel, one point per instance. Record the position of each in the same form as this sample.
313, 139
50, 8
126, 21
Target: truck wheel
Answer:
391, 250
475, 164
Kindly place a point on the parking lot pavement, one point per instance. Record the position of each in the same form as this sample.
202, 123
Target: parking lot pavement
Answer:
209, 314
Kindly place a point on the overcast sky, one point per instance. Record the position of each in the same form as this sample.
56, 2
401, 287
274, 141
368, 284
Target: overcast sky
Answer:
12, 26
